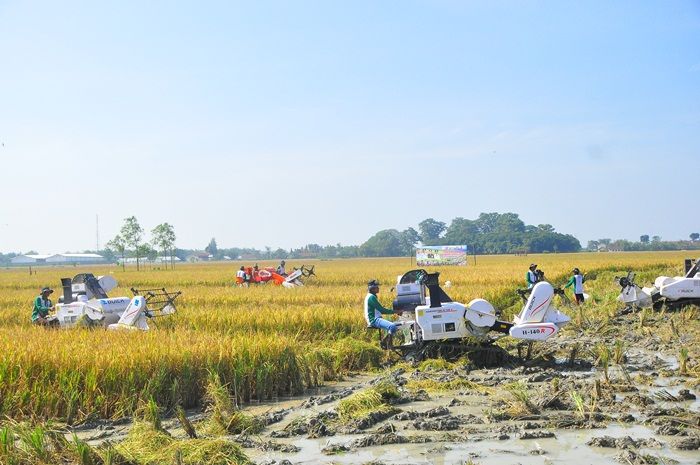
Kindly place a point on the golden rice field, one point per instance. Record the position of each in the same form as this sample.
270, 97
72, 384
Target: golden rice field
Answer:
263, 342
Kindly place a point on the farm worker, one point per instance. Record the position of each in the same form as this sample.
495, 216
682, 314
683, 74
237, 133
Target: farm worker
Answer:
256, 272
374, 310
42, 306
577, 281
532, 276
281, 270
241, 277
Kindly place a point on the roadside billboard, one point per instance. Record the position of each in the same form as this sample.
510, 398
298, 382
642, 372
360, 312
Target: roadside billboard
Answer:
440, 255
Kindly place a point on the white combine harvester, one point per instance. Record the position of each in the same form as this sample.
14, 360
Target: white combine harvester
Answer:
85, 301
435, 321
670, 292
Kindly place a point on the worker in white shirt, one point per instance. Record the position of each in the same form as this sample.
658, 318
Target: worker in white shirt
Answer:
577, 281
241, 277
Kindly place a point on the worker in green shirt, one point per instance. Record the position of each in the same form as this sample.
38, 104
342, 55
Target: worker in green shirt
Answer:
374, 312
532, 276
42, 306
577, 281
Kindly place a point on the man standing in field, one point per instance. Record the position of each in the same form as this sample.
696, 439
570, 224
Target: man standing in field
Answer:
281, 269
42, 306
374, 312
577, 281
241, 277
532, 276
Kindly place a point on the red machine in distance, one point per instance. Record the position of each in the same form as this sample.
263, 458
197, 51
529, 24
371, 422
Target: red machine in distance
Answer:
269, 274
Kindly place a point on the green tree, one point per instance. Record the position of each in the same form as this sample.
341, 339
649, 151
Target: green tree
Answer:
212, 248
462, 231
280, 254
164, 239
118, 245
145, 250
644, 238
386, 243
430, 230
408, 239
132, 232
694, 236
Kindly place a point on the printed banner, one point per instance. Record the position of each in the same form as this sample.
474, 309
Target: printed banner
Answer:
439, 255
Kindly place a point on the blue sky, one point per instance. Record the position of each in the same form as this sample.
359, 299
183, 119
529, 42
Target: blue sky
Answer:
283, 123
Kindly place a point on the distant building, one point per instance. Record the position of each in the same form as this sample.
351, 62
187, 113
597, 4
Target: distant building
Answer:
29, 259
63, 258
200, 257
58, 259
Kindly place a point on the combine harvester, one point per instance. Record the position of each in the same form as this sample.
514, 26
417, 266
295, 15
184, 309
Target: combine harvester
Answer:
434, 323
673, 293
293, 279
85, 302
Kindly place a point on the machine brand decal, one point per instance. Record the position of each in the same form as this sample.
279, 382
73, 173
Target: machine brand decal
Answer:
443, 310
539, 307
112, 301
136, 309
533, 331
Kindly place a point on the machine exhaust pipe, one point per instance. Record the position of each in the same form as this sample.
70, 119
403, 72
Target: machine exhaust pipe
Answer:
67, 285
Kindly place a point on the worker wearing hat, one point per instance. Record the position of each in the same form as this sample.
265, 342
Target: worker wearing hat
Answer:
532, 276
281, 269
577, 281
42, 306
241, 277
374, 312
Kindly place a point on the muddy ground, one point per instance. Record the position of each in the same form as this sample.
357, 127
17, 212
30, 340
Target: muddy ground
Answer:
559, 406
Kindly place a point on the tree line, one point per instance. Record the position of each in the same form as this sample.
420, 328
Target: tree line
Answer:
645, 243
130, 238
489, 233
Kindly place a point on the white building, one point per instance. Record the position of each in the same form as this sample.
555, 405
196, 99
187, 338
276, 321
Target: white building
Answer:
29, 259
63, 258
58, 259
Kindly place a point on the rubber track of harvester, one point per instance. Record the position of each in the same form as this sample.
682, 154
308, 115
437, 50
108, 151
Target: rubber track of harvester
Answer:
480, 355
